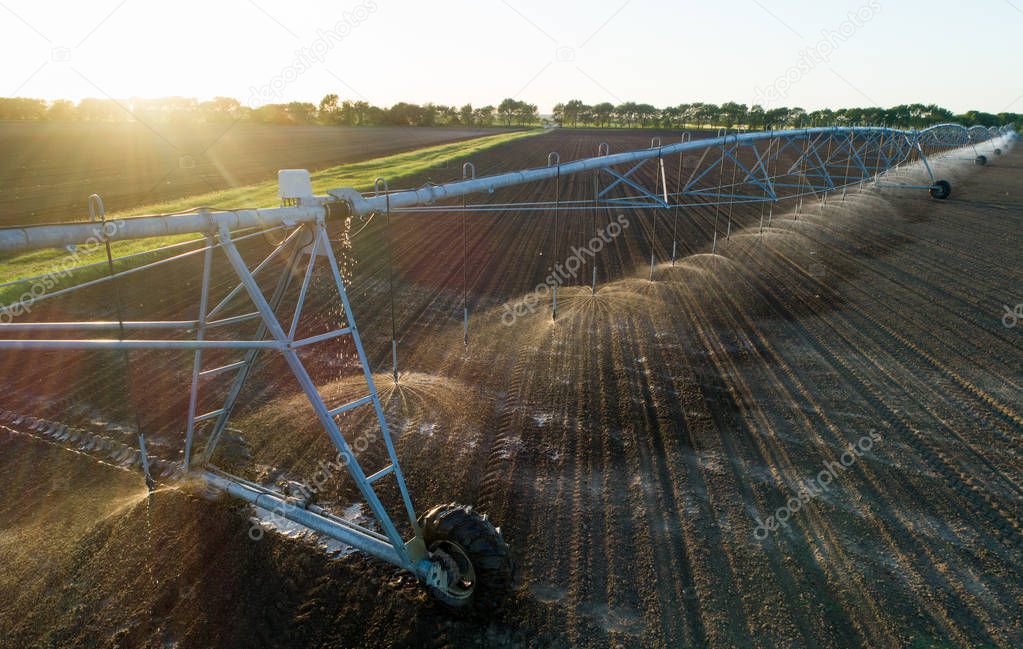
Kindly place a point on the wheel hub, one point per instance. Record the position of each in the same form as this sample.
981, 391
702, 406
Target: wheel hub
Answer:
460, 577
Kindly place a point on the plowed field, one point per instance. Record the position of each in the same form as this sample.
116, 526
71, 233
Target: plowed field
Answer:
841, 375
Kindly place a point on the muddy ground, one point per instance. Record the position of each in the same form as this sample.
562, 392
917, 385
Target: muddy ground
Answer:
628, 450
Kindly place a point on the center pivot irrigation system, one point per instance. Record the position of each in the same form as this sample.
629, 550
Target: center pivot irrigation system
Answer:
459, 555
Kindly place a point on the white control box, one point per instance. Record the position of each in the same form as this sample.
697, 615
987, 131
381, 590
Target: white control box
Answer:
294, 184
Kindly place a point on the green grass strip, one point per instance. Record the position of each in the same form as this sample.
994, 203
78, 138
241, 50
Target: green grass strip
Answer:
397, 169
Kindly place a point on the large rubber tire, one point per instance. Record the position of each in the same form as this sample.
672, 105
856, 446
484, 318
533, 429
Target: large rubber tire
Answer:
941, 190
981, 160
998, 152
483, 545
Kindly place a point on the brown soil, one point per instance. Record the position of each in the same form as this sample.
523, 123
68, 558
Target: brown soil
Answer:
626, 450
48, 170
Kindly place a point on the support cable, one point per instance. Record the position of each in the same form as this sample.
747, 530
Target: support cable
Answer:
97, 211
674, 219
717, 204
389, 235
659, 173
555, 251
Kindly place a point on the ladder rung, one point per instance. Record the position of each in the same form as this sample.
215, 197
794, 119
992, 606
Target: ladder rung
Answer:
220, 370
321, 337
381, 473
223, 322
209, 415
348, 406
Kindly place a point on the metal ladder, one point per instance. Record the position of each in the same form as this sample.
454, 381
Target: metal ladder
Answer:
270, 330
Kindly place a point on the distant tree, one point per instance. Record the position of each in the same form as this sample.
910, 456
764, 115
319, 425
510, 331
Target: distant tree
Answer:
220, 110
430, 115
172, 110
937, 115
646, 114
444, 114
795, 117
61, 110
271, 114
775, 117
356, 113
756, 117
506, 110
100, 110
558, 112
708, 114
22, 108
731, 114
671, 117
403, 114
301, 112
625, 113
978, 117
573, 109
373, 115
587, 115
527, 114
484, 116
603, 112
822, 117
693, 113
329, 111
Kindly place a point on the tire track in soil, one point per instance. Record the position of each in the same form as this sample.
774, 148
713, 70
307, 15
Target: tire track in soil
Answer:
509, 492
950, 393
903, 481
544, 570
708, 581
623, 591
875, 399
756, 417
1007, 416
1001, 517
765, 350
765, 600
671, 558
912, 285
865, 625
587, 572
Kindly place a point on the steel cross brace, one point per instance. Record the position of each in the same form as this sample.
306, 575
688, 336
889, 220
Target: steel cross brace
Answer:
245, 368
657, 201
270, 335
412, 555
762, 165
750, 177
620, 178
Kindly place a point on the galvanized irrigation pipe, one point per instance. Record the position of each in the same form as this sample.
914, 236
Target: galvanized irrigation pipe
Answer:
347, 202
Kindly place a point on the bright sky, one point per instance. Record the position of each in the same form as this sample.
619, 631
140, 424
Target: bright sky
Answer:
662, 52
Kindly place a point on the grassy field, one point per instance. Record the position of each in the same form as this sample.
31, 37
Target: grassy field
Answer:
397, 169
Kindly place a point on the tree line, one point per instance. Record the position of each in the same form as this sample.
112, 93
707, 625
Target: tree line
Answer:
756, 117
332, 110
